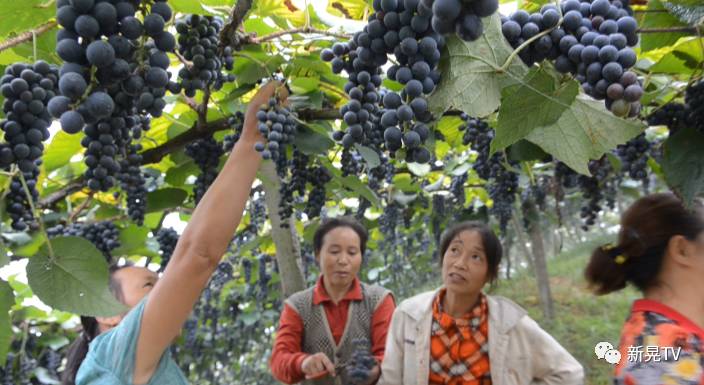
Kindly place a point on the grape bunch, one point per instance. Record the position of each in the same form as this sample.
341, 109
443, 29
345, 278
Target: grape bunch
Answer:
565, 176
360, 363
222, 275
673, 115
206, 154
503, 187
114, 72
27, 90
198, 41
591, 188
533, 194
167, 239
278, 126
133, 183
293, 182
458, 16
350, 163
293, 186
478, 135
457, 188
104, 235
362, 65
18, 206
438, 216
503, 184
247, 270
318, 177
388, 221
634, 157
401, 28
237, 123
694, 98
109, 39
264, 277
593, 42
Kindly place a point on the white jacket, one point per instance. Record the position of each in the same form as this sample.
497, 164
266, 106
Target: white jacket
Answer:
520, 352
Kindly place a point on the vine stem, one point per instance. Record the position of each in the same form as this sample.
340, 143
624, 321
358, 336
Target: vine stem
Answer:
25, 334
32, 206
80, 208
668, 30
203, 109
27, 36
301, 30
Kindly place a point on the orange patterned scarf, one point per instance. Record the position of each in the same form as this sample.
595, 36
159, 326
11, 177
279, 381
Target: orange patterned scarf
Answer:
459, 348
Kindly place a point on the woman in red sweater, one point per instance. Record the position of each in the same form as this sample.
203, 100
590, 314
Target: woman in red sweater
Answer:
320, 327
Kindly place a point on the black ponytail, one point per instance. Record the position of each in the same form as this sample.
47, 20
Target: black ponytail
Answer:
79, 348
646, 229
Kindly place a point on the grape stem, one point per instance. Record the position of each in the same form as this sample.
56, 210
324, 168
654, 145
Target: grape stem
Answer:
32, 206
526, 43
302, 30
692, 30
27, 36
203, 109
183, 60
81, 207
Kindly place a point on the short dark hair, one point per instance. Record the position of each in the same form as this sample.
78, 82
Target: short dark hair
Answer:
490, 243
646, 229
330, 224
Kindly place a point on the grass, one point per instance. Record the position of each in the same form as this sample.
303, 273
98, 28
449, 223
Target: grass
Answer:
581, 319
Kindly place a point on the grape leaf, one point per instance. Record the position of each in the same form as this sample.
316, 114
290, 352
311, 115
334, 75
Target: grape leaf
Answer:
449, 128
61, 149
7, 299
4, 257
313, 139
524, 150
538, 100
165, 198
471, 77
681, 163
584, 131
682, 58
658, 19
370, 156
25, 15
75, 279
253, 63
687, 11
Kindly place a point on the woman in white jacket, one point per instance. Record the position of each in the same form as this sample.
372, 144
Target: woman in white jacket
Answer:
458, 335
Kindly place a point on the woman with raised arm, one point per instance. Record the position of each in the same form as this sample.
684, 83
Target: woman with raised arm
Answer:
134, 348
322, 327
660, 251
459, 335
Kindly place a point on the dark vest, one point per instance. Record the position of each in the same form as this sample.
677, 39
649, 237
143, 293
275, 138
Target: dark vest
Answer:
317, 335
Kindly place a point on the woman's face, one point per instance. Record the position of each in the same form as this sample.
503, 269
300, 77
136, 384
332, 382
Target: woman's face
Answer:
465, 266
135, 283
340, 256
